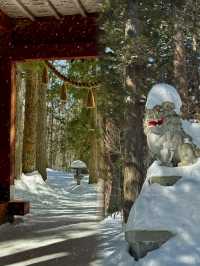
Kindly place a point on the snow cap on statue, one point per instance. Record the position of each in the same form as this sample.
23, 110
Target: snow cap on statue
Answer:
163, 92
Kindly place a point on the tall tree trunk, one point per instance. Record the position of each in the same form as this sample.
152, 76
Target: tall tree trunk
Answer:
30, 121
193, 66
195, 80
115, 202
93, 171
102, 168
112, 158
41, 146
51, 123
180, 70
19, 123
134, 136
93, 161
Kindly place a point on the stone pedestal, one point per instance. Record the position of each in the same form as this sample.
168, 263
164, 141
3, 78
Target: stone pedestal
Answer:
143, 241
164, 180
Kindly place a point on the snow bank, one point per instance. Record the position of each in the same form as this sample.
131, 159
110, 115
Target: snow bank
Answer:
58, 191
174, 208
163, 92
31, 187
32, 183
160, 207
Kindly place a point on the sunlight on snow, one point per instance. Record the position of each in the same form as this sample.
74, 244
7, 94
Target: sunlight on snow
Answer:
57, 214
39, 259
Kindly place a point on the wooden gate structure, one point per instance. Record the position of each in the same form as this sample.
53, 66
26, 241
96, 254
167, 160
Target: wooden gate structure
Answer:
38, 30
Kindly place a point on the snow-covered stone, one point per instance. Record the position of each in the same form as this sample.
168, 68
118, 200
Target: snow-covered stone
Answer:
78, 164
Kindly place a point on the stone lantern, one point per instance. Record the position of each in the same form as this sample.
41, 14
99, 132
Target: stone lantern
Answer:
78, 166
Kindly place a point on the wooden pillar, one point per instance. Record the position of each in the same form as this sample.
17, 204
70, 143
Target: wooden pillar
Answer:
7, 127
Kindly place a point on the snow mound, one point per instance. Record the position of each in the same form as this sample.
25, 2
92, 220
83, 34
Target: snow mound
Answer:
32, 183
174, 208
163, 92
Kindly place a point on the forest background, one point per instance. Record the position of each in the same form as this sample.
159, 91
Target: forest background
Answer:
92, 110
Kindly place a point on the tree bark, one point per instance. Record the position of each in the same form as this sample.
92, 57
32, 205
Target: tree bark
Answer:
51, 129
41, 146
30, 122
93, 172
193, 66
180, 69
115, 202
134, 139
113, 174
102, 167
93, 161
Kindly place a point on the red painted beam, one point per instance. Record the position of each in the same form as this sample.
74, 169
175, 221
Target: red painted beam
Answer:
49, 38
5, 22
54, 51
52, 31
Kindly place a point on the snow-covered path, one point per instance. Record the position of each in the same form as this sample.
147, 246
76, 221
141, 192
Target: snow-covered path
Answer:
62, 228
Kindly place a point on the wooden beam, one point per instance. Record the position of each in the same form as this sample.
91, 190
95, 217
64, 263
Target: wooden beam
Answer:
24, 9
54, 51
3, 212
53, 9
80, 7
5, 22
18, 207
7, 127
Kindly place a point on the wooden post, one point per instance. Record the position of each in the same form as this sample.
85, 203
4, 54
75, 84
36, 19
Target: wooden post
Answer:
7, 127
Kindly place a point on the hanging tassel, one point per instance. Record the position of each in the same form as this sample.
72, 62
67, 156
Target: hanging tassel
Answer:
63, 96
63, 93
45, 77
90, 99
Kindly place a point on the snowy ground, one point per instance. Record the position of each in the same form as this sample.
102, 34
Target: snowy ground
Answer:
62, 228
